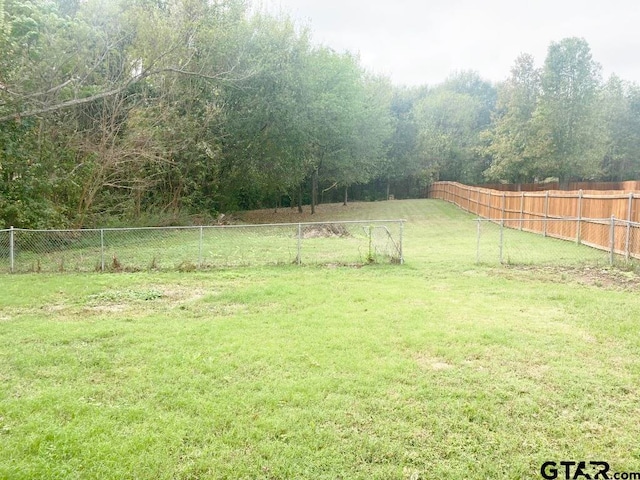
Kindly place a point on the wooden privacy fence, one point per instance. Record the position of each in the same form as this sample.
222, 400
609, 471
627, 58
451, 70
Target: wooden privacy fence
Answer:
607, 220
628, 186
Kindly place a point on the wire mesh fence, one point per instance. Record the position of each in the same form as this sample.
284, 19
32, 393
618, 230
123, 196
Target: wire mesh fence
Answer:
557, 241
191, 248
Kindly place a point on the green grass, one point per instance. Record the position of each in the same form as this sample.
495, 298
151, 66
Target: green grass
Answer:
521, 247
441, 368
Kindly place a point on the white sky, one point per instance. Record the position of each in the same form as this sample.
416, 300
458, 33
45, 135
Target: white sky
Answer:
421, 42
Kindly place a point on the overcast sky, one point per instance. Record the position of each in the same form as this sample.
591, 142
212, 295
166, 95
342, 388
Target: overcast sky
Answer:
421, 42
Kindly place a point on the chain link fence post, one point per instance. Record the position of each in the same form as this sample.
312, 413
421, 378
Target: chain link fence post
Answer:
299, 256
546, 212
400, 242
102, 249
478, 241
627, 246
11, 250
612, 239
521, 209
579, 217
501, 240
200, 247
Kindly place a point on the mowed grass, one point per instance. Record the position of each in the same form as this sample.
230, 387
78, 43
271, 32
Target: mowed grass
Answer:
440, 368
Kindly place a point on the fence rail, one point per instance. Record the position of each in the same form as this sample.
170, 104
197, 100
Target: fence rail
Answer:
586, 217
190, 248
626, 186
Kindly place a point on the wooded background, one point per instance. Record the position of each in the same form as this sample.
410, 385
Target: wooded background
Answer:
165, 112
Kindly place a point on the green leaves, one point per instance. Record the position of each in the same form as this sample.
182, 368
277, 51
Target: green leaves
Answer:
620, 118
512, 138
548, 122
567, 107
452, 119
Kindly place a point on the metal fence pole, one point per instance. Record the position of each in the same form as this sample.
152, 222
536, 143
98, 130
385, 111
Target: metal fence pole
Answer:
200, 248
478, 242
490, 205
102, 250
521, 209
546, 212
501, 240
299, 259
579, 216
400, 242
627, 242
628, 239
612, 239
11, 250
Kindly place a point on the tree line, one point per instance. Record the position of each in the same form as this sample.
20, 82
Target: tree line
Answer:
141, 110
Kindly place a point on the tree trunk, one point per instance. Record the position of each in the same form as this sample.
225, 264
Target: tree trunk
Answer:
346, 193
314, 191
300, 198
388, 189
563, 183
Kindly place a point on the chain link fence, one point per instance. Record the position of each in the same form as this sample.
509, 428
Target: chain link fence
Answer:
557, 241
201, 247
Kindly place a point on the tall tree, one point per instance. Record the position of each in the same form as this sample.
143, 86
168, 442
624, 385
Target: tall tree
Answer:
403, 162
37, 180
566, 118
452, 119
620, 106
349, 123
511, 139
372, 129
266, 124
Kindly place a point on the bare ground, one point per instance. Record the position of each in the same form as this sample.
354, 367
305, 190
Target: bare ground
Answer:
612, 278
326, 211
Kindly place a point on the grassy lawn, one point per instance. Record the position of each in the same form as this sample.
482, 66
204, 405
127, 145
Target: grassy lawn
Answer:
440, 368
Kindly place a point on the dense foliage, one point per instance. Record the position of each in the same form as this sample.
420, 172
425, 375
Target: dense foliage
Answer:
148, 110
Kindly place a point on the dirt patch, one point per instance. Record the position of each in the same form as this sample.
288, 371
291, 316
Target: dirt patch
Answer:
344, 265
113, 308
428, 362
180, 293
328, 230
324, 212
603, 277
120, 299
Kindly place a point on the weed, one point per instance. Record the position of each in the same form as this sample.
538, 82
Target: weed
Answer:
187, 266
126, 295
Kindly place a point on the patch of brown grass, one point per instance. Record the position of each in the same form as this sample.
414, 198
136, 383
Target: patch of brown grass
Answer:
603, 277
324, 212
